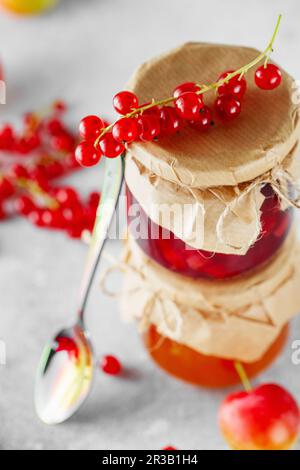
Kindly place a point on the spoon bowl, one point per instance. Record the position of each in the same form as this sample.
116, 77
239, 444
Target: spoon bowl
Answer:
65, 375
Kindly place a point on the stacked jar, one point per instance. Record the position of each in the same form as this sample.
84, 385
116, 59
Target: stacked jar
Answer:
209, 213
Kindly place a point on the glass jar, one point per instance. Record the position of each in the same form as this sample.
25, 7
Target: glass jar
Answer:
208, 371
172, 253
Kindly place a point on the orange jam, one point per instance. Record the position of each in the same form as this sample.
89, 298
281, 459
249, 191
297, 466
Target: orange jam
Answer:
199, 369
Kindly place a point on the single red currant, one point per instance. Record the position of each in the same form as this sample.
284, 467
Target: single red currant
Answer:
54, 126
236, 86
3, 214
90, 127
63, 142
54, 169
111, 365
170, 122
169, 448
66, 196
110, 147
204, 120
35, 217
86, 154
125, 130
228, 107
149, 127
7, 137
268, 77
24, 205
6, 189
94, 199
188, 105
19, 171
125, 101
184, 87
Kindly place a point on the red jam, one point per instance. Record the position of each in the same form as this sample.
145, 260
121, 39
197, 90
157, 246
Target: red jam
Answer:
207, 371
171, 252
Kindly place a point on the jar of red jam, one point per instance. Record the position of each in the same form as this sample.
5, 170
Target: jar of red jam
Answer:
172, 253
241, 156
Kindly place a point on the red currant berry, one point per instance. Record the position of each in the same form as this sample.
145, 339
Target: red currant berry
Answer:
125, 130
63, 142
170, 122
236, 86
94, 199
184, 87
35, 217
169, 448
6, 189
188, 105
269, 77
19, 171
204, 120
148, 126
228, 107
110, 147
7, 138
66, 196
90, 127
86, 154
75, 231
54, 126
125, 101
24, 205
54, 169
111, 365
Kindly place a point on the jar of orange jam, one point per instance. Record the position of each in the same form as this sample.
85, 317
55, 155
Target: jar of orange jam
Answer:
231, 158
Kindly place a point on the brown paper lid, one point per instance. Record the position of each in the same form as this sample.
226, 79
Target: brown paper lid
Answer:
230, 153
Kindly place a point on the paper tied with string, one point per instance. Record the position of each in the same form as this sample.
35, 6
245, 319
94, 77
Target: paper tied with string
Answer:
233, 319
221, 219
214, 178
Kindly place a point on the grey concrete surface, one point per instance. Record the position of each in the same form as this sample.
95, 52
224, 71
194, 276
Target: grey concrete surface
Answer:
84, 51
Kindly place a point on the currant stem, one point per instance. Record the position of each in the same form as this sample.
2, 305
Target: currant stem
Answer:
243, 376
204, 88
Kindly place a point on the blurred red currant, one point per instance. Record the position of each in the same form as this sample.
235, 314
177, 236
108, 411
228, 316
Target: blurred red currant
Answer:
6, 188
94, 199
204, 120
148, 126
188, 105
63, 142
54, 126
170, 122
19, 171
125, 101
184, 87
125, 130
90, 127
268, 77
111, 365
228, 107
24, 205
86, 154
66, 196
110, 147
7, 138
236, 86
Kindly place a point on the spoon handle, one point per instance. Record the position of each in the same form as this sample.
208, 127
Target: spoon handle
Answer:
113, 179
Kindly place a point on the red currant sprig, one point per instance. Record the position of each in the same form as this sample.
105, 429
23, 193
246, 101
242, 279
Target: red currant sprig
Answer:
157, 119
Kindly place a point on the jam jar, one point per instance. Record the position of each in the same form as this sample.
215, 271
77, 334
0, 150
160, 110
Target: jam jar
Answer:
172, 253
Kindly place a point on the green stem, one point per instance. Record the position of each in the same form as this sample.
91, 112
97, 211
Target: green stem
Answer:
243, 376
204, 88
